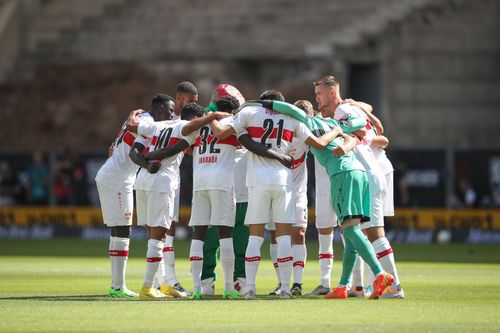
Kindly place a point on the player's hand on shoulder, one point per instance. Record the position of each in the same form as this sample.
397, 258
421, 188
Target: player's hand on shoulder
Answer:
338, 151
154, 166
133, 117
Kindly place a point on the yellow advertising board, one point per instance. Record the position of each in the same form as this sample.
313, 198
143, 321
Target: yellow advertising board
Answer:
447, 218
405, 217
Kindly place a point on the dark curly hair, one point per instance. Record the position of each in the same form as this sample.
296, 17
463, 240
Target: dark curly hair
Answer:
227, 104
192, 110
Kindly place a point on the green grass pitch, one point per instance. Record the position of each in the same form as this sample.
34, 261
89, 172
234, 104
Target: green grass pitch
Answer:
60, 286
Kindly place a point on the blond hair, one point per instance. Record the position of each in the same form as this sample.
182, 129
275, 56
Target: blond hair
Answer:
330, 81
304, 105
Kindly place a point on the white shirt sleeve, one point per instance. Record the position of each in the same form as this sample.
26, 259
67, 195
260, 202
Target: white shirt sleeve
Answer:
147, 128
302, 133
191, 137
342, 112
240, 122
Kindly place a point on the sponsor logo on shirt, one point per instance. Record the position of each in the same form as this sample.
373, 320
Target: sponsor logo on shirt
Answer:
207, 159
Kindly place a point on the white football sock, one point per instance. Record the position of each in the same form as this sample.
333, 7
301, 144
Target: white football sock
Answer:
153, 258
196, 260
369, 277
285, 260
169, 261
227, 261
159, 279
118, 253
299, 252
273, 251
325, 258
252, 260
386, 258
112, 261
358, 273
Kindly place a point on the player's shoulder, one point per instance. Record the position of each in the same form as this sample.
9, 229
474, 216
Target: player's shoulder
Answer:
167, 123
146, 116
250, 110
346, 110
346, 107
224, 121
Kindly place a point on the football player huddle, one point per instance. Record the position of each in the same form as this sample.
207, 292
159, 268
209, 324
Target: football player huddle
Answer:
249, 176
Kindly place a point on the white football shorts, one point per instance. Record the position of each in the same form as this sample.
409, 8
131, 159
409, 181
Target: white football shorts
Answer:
175, 216
213, 207
270, 204
389, 195
325, 214
117, 205
300, 210
154, 209
376, 211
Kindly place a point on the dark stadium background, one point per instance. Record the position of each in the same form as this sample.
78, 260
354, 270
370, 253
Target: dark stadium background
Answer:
71, 71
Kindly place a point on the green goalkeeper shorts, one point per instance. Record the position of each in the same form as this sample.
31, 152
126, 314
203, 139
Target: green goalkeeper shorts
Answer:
351, 195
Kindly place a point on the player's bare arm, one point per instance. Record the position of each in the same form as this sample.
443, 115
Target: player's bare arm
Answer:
264, 151
133, 120
380, 141
111, 148
221, 132
361, 133
167, 151
196, 124
325, 139
348, 145
365, 107
368, 110
136, 157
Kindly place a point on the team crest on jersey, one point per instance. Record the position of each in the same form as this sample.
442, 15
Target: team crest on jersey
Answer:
128, 215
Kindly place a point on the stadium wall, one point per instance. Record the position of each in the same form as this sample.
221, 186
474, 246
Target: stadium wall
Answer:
437, 65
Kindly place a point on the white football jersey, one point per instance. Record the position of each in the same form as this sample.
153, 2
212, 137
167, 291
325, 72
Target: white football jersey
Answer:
275, 130
379, 153
240, 174
384, 163
119, 171
363, 151
299, 166
213, 160
163, 134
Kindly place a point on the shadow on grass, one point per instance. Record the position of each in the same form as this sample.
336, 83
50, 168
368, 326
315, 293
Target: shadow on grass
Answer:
85, 298
104, 298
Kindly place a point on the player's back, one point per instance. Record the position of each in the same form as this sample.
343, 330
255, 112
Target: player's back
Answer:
274, 130
119, 170
214, 160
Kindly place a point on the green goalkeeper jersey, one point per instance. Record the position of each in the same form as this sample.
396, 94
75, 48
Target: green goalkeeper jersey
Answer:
319, 126
332, 164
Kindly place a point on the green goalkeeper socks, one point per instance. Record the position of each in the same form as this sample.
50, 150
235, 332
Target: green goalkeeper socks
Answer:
348, 261
358, 240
